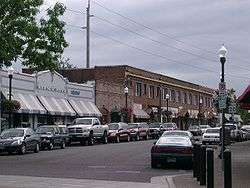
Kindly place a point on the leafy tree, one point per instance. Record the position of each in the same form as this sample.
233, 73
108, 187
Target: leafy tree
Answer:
46, 45
17, 21
64, 64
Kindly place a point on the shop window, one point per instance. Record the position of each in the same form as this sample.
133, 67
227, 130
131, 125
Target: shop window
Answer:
190, 98
178, 96
138, 89
173, 96
185, 98
158, 92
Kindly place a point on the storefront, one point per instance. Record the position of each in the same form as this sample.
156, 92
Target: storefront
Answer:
47, 98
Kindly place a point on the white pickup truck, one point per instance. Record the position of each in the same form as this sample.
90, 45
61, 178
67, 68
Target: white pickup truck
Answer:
88, 129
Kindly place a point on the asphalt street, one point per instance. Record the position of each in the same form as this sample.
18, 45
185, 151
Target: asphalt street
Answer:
116, 162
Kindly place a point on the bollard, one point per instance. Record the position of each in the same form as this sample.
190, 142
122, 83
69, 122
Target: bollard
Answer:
203, 166
227, 169
210, 168
198, 161
195, 160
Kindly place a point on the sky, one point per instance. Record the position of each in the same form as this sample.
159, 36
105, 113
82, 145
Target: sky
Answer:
177, 38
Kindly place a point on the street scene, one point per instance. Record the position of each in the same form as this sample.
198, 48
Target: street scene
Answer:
124, 94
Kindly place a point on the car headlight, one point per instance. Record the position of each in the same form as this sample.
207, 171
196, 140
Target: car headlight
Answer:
17, 142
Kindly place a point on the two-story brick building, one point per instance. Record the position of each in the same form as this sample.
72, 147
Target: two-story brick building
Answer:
185, 102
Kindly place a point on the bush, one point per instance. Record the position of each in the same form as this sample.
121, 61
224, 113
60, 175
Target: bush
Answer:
11, 105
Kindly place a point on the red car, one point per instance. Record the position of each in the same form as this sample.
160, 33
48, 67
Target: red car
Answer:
138, 131
118, 132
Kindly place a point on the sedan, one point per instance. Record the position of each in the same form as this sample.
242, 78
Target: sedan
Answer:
195, 130
180, 133
211, 136
172, 149
19, 140
118, 132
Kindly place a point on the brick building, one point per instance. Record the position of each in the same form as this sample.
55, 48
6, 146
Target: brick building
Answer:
185, 102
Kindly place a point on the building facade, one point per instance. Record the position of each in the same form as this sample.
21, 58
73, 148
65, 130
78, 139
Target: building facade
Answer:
46, 98
147, 91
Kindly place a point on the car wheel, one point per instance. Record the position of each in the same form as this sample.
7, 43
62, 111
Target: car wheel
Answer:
63, 145
137, 138
91, 140
117, 139
153, 164
37, 148
22, 149
105, 138
128, 138
51, 146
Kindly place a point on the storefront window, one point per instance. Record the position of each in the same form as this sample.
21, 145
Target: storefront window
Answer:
173, 97
151, 92
138, 89
190, 98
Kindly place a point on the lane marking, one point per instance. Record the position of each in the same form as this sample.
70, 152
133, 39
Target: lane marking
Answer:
96, 166
128, 171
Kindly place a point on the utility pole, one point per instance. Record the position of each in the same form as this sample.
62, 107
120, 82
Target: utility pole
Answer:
87, 34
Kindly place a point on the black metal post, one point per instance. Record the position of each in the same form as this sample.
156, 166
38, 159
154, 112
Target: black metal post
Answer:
10, 94
159, 110
227, 169
195, 159
222, 60
198, 161
203, 166
126, 104
210, 168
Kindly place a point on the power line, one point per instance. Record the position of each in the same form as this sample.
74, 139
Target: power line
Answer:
161, 33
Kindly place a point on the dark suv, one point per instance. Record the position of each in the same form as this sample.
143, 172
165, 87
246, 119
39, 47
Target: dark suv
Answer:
51, 137
138, 131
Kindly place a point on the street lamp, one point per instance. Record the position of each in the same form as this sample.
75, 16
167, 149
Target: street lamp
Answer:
167, 99
222, 55
126, 102
200, 105
10, 74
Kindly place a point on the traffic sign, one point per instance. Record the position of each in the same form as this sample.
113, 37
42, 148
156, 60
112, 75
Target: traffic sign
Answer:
222, 101
222, 86
232, 109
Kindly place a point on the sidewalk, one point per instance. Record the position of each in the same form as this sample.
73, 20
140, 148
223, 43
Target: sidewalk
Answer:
240, 171
41, 182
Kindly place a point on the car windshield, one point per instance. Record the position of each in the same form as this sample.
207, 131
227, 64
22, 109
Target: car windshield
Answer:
44, 130
204, 126
113, 126
133, 125
168, 125
154, 125
174, 141
11, 133
175, 133
82, 122
193, 127
213, 131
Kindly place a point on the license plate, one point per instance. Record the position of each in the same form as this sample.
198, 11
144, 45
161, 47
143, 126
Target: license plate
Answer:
171, 160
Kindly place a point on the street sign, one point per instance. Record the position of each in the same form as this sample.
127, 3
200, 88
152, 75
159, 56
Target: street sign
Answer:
222, 86
232, 109
222, 101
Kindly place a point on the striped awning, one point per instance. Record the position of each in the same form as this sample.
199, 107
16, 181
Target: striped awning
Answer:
140, 113
57, 106
28, 102
85, 108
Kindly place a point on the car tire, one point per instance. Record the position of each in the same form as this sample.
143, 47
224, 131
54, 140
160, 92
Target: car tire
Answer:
117, 140
37, 148
105, 138
91, 140
63, 145
153, 164
22, 149
51, 146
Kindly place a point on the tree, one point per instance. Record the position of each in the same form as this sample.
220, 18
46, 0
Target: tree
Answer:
17, 21
64, 64
46, 45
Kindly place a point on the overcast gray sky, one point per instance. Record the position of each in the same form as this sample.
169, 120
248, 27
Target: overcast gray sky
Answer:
185, 44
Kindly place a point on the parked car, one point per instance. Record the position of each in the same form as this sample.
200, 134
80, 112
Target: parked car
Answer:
118, 132
172, 149
51, 137
235, 132
19, 140
204, 128
211, 136
180, 133
195, 130
88, 129
167, 127
63, 131
154, 130
138, 131
246, 132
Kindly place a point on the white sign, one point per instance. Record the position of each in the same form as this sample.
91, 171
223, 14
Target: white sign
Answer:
223, 101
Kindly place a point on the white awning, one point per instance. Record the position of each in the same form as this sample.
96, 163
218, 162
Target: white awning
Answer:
57, 106
140, 113
29, 103
85, 108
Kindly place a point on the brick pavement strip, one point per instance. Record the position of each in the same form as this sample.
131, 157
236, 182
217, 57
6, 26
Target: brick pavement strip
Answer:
240, 171
42, 182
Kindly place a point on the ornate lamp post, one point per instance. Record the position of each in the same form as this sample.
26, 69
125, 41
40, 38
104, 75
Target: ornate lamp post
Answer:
222, 55
200, 105
126, 102
10, 74
167, 99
